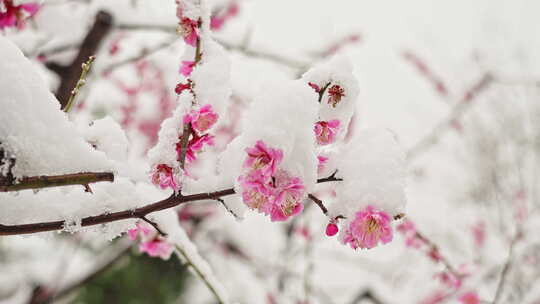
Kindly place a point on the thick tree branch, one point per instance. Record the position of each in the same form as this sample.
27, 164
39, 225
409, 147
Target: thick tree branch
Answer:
38, 182
69, 76
170, 202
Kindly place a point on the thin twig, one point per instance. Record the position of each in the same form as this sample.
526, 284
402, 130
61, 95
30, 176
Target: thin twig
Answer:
184, 141
275, 58
506, 269
227, 207
319, 203
322, 90
187, 130
153, 224
442, 258
241, 48
80, 83
458, 110
144, 52
200, 274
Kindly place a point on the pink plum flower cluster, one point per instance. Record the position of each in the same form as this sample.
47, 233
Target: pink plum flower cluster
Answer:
266, 187
150, 242
368, 228
12, 15
326, 131
200, 120
164, 177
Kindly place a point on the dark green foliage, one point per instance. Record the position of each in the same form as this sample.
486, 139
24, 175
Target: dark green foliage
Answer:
141, 280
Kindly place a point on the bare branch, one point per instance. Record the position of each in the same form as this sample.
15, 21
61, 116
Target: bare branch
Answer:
38, 182
319, 203
506, 268
458, 110
154, 224
170, 202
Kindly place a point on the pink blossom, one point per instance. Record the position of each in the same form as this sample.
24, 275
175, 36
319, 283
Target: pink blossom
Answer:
479, 234
15, 15
164, 177
157, 248
181, 87
322, 160
189, 30
331, 229
261, 157
326, 131
469, 297
195, 145
408, 229
256, 190
202, 119
288, 197
314, 86
335, 92
414, 242
449, 279
141, 230
368, 228
187, 67
217, 22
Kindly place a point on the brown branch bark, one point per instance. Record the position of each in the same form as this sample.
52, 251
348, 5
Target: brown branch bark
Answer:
69, 75
319, 203
170, 202
38, 182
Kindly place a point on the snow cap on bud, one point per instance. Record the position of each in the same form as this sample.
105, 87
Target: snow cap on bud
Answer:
279, 144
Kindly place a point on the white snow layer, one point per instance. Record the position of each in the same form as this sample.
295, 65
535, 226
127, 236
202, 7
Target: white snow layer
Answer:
372, 166
33, 129
289, 127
